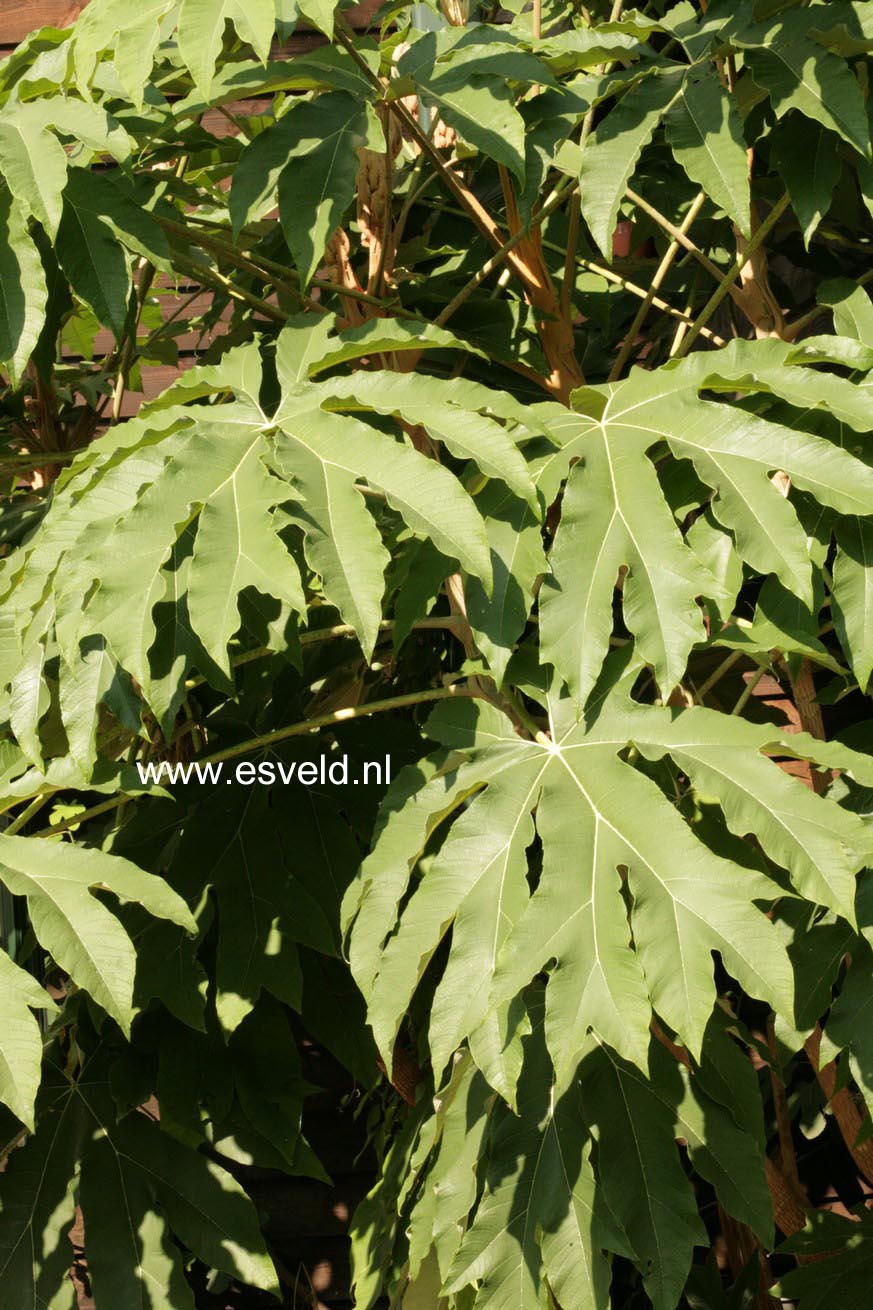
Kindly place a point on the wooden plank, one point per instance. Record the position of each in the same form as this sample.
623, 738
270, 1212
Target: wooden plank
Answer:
187, 343
20, 17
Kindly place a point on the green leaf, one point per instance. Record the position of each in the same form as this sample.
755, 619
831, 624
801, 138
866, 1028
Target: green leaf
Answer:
540, 1218
848, 1023
589, 47
727, 1156
320, 14
273, 893
798, 73
33, 162
83, 686
87, 123
108, 203
135, 36
240, 373
853, 595
94, 262
238, 512
821, 844
20, 1039
204, 1204
706, 136
83, 936
841, 1264
853, 309
203, 467
517, 561
612, 152
612, 482
201, 32
23, 294
327, 68
613, 500
342, 543
38, 1200
380, 336
464, 1112
133, 1263
430, 500
318, 143
473, 95
28, 701
596, 814
434, 404
416, 802
640, 1173
807, 158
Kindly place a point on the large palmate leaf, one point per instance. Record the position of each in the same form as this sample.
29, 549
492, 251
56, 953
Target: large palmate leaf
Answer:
595, 815
613, 483
184, 503
137, 1186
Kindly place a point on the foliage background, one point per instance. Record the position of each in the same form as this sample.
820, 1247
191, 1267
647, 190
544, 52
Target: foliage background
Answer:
530, 442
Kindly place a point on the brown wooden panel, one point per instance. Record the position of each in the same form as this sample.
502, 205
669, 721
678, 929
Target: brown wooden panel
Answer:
19, 17
104, 341
155, 379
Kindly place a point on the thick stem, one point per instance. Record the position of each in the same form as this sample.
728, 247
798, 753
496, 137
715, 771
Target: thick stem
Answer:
555, 329
728, 285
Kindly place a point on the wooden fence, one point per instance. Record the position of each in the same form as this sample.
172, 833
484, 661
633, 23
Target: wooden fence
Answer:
306, 1222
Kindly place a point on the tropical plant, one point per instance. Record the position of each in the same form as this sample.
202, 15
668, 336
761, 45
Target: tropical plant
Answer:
530, 446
